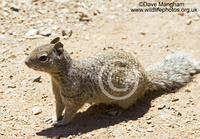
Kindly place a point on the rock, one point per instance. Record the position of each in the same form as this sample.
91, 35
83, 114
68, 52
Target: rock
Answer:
46, 32
150, 130
148, 117
188, 22
2, 133
31, 32
61, 1
67, 32
161, 106
179, 114
198, 13
196, 18
175, 99
85, 14
36, 110
11, 86
55, 27
167, 106
36, 79
168, 125
164, 116
129, 128
149, 122
187, 90
180, 13
14, 7
1, 91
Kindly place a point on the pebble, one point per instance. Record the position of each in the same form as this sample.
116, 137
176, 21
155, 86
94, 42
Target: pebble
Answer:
150, 130
198, 13
36, 79
181, 13
196, 18
175, 99
161, 106
129, 128
179, 114
2, 133
14, 7
85, 14
36, 110
149, 122
187, 90
67, 32
46, 32
148, 117
31, 32
11, 86
168, 125
56, 137
55, 27
167, 106
1, 91
188, 21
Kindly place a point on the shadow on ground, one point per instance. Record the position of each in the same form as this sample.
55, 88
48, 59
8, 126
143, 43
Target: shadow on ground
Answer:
95, 118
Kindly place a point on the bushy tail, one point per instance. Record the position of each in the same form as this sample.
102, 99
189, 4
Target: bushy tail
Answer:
172, 73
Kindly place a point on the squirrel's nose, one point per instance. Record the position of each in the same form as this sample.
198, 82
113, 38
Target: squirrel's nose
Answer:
27, 60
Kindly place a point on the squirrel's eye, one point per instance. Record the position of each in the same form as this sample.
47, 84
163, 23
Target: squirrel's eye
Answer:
43, 58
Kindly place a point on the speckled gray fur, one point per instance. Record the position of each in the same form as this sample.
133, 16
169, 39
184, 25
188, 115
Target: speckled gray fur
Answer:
76, 82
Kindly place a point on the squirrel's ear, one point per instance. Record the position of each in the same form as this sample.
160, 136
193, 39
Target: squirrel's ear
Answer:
55, 40
59, 49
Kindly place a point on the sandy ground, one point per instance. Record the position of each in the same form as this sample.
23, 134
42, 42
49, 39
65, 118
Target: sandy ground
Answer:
26, 24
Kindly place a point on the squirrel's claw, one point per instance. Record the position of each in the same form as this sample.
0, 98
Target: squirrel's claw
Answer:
60, 123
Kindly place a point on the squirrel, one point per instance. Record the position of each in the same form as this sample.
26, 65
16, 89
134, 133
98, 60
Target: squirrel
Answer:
114, 77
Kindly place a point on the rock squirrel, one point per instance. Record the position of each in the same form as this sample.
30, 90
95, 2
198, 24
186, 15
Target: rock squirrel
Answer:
115, 77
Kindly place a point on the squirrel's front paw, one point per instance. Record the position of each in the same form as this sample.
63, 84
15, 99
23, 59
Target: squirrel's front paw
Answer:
61, 123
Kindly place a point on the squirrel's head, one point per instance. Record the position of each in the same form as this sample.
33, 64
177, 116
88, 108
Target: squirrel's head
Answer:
47, 57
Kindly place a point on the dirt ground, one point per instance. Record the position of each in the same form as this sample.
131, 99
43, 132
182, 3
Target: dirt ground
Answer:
96, 27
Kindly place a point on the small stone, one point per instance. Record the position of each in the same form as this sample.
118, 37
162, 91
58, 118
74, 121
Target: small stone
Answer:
31, 32
46, 32
148, 117
167, 106
188, 22
175, 99
14, 7
179, 114
55, 27
161, 106
198, 13
2, 133
187, 90
181, 13
168, 125
36, 79
196, 18
150, 130
129, 128
174, 126
67, 32
11, 86
85, 14
57, 137
36, 110
149, 122
1, 91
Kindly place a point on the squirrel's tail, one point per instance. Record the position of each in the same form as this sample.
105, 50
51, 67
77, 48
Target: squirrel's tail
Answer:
172, 73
